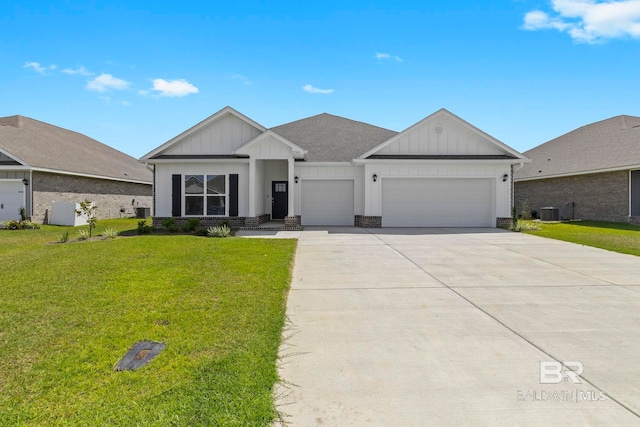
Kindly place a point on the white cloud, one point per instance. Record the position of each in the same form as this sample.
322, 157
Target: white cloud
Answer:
38, 68
175, 88
105, 82
81, 71
241, 78
589, 21
380, 56
311, 89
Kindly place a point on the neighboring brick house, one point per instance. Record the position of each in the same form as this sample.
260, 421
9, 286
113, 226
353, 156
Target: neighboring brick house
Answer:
590, 173
41, 164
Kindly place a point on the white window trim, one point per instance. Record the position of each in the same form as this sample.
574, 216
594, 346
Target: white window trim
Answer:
204, 195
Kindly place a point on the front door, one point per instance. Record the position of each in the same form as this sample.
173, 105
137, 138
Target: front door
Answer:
280, 199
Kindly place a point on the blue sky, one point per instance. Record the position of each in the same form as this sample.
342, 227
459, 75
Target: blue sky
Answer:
133, 74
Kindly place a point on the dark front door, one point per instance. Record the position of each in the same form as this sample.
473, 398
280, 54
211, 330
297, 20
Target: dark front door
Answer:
280, 199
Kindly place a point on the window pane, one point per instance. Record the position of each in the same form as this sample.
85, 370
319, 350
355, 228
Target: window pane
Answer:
215, 205
216, 184
194, 205
194, 184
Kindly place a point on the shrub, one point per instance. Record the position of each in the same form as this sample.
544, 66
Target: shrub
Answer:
191, 225
525, 226
14, 224
110, 233
219, 231
83, 235
64, 237
170, 224
90, 211
143, 227
226, 223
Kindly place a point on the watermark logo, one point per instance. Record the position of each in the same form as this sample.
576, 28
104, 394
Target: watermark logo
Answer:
556, 372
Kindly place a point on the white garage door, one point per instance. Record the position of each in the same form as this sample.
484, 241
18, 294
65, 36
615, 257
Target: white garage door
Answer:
437, 202
11, 199
327, 202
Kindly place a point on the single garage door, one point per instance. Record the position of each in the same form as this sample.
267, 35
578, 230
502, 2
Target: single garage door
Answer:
11, 199
437, 202
327, 202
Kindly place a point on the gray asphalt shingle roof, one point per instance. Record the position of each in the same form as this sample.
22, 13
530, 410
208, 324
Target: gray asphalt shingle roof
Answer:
329, 138
608, 144
46, 146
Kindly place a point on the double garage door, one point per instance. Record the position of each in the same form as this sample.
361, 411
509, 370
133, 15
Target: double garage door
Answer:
406, 202
12, 198
437, 202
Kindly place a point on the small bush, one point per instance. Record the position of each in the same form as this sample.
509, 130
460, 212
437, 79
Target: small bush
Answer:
110, 233
226, 223
525, 226
170, 225
143, 227
191, 225
219, 231
64, 237
14, 224
83, 235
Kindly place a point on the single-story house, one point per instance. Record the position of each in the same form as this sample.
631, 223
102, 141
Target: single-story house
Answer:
41, 164
591, 173
329, 170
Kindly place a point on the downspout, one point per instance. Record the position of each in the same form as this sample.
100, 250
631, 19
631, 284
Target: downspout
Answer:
152, 168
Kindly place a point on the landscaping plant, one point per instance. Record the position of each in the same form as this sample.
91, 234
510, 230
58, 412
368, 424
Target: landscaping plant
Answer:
90, 211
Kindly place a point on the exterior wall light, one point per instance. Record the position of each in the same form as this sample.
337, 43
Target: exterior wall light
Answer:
504, 177
375, 177
295, 179
25, 181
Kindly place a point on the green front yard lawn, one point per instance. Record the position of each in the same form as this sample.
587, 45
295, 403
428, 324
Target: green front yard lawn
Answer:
613, 236
69, 312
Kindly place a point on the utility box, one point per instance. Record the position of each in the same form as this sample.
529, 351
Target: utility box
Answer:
550, 214
143, 212
64, 213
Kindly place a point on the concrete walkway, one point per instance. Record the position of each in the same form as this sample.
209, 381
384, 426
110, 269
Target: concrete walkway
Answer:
417, 327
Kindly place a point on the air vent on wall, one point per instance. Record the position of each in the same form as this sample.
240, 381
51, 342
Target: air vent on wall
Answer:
438, 129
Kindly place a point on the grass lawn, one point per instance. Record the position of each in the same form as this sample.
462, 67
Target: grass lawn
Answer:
69, 312
613, 236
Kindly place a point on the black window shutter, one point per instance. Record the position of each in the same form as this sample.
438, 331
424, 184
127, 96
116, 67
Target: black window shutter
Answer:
176, 195
233, 194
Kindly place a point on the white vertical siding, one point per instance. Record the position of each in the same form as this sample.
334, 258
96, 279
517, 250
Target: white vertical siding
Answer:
269, 148
221, 137
453, 139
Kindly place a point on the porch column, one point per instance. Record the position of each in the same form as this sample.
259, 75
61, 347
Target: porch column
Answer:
252, 188
292, 188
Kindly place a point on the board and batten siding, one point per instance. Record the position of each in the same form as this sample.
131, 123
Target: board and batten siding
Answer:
441, 136
20, 175
163, 182
355, 173
269, 148
450, 170
221, 137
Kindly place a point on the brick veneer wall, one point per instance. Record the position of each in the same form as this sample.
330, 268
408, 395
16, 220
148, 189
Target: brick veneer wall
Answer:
108, 196
601, 196
367, 221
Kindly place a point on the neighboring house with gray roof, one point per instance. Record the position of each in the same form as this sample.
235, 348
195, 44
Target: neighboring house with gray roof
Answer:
592, 173
41, 164
329, 170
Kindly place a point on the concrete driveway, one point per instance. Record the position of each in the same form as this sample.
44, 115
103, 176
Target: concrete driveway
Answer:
417, 327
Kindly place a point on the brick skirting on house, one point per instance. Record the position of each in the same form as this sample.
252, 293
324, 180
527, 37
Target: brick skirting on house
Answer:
634, 220
367, 221
503, 222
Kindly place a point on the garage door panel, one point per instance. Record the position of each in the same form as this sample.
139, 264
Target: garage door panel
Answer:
327, 202
437, 202
11, 199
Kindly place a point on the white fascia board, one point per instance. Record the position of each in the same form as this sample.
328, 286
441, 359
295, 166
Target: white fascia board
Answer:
296, 149
187, 160
590, 172
6, 153
15, 168
88, 175
324, 164
214, 117
443, 161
